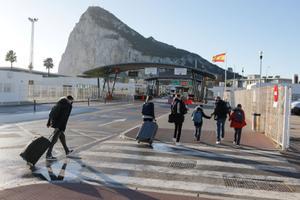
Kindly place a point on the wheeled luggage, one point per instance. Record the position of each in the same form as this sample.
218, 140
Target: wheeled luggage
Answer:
147, 132
34, 150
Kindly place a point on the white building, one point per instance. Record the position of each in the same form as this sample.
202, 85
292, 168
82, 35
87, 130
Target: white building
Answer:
21, 85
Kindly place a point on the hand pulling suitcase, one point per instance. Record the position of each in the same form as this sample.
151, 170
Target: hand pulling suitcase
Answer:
147, 132
35, 149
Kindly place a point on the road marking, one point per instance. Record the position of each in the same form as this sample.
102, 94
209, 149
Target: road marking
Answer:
189, 172
194, 153
114, 121
83, 134
25, 130
202, 147
190, 186
199, 162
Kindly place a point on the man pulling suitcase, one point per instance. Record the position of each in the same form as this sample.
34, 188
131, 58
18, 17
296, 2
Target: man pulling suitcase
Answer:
58, 119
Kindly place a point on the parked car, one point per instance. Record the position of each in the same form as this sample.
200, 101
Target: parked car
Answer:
295, 108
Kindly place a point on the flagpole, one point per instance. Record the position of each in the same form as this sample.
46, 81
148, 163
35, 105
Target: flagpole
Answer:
225, 74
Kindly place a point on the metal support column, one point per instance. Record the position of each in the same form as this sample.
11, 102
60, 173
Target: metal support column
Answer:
113, 87
194, 86
98, 87
157, 88
203, 87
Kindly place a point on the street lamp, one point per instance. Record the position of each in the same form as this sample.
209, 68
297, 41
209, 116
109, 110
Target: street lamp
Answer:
32, 20
260, 66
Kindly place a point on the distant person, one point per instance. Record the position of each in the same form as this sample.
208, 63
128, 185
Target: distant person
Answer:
220, 114
238, 121
197, 117
148, 109
58, 119
179, 109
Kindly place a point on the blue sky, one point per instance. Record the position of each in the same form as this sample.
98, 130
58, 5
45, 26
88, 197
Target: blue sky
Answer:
241, 28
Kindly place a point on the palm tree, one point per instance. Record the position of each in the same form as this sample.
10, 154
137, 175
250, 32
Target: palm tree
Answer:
11, 57
48, 63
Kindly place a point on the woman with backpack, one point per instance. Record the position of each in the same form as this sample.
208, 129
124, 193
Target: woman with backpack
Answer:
238, 121
148, 109
197, 117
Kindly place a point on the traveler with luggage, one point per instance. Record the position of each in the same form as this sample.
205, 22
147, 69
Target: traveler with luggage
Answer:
58, 119
178, 109
149, 128
238, 121
197, 117
220, 114
148, 109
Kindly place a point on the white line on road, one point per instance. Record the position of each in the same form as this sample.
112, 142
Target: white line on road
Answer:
189, 172
114, 121
190, 152
199, 162
190, 186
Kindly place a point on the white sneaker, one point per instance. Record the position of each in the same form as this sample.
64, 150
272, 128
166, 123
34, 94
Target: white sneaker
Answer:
178, 144
217, 142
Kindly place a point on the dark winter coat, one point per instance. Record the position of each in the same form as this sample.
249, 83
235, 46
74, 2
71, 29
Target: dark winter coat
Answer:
221, 110
179, 114
237, 124
148, 110
59, 114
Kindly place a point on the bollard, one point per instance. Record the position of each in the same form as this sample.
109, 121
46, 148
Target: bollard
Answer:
256, 122
34, 105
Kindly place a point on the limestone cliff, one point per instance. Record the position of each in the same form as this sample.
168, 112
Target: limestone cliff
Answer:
99, 38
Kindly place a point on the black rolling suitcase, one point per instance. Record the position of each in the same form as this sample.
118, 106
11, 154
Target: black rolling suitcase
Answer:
34, 150
147, 132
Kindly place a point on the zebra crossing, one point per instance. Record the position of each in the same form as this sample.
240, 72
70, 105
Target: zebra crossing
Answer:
236, 173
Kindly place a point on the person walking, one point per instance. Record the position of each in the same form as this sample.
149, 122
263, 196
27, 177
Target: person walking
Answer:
220, 114
179, 109
148, 109
238, 121
197, 117
58, 119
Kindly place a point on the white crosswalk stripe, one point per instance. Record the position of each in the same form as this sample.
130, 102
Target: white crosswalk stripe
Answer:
124, 162
197, 153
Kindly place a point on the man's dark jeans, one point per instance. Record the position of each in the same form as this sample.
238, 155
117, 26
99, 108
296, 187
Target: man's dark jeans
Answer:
220, 128
55, 135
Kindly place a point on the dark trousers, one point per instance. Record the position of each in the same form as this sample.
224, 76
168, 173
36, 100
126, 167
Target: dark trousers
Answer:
55, 135
177, 131
198, 127
220, 128
237, 135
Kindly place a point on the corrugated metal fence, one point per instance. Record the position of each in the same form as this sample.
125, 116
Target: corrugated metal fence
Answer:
274, 117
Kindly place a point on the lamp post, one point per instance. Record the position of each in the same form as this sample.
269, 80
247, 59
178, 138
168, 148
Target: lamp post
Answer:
260, 66
32, 20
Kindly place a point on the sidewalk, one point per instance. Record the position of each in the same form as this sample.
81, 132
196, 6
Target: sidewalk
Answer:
249, 138
81, 191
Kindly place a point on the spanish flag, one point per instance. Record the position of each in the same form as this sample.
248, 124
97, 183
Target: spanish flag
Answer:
219, 57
